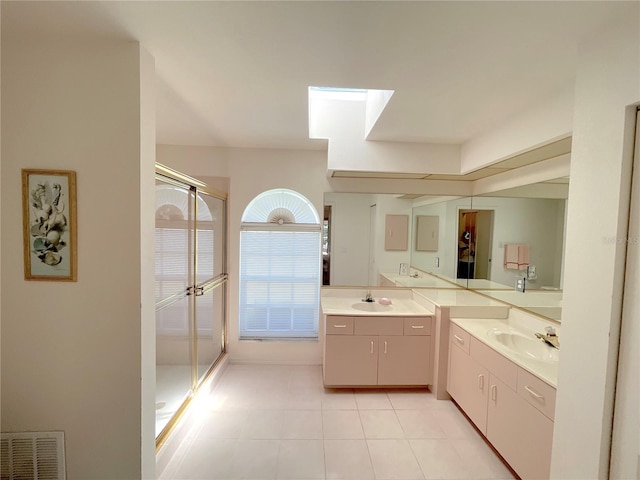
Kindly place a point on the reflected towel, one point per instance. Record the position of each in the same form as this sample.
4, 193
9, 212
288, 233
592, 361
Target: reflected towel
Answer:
523, 257
516, 257
511, 257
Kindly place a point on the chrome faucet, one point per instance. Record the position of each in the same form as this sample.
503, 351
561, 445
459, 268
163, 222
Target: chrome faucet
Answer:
550, 337
368, 298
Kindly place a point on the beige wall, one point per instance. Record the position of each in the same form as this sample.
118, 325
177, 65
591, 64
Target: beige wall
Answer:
71, 352
608, 81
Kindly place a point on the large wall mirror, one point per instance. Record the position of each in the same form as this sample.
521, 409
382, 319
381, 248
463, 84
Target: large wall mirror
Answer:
526, 235
453, 242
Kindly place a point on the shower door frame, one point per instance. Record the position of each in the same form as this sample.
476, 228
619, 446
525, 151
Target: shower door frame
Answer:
196, 289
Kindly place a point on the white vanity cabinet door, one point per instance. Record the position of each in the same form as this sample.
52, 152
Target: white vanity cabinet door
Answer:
351, 360
521, 433
404, 360
468, 384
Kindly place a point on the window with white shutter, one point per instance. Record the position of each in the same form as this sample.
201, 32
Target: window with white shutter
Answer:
280, 267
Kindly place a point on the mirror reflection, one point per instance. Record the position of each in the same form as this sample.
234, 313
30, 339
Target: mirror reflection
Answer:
486, 243
527, 246
453, 256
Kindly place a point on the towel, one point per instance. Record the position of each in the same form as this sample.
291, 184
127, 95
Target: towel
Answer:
511, 257
516, 256
523, 257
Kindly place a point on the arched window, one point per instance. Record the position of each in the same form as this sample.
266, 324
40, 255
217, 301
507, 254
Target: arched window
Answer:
280, 265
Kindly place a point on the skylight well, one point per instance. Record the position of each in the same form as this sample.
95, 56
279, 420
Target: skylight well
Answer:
324, 115
336, 93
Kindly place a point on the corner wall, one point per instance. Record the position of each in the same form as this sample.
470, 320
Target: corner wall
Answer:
71, 351
608, 81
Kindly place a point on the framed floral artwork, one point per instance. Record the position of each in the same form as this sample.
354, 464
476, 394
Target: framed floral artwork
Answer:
49, 225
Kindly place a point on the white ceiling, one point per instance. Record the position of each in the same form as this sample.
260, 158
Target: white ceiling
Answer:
236, 73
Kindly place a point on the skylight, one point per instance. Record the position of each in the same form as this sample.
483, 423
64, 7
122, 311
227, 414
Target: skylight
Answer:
338, 93
325, 116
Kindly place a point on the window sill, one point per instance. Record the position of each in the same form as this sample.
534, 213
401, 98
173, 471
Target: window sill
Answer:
280, 339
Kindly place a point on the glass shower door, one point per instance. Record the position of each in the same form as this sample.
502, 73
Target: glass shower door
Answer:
175, 250
210, 282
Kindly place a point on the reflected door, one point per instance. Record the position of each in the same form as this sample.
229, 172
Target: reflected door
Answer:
475, 231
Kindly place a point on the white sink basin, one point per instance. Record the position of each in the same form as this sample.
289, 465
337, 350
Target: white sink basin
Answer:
372, 307
528, 347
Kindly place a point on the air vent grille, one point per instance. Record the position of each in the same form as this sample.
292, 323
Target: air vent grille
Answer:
32, 455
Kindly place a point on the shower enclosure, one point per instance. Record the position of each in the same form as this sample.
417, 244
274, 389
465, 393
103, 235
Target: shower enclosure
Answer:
190, 290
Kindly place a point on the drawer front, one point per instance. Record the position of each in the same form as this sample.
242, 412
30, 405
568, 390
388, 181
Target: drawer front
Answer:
538, 393
417, 326
460, 338
503, 368
379, 325
338, 325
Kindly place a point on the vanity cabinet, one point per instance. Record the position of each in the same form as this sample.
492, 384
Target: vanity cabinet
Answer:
377, 351
468, 384
511, 407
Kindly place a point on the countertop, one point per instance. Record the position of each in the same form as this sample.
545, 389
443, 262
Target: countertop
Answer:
465, 303
479, 328
354, 306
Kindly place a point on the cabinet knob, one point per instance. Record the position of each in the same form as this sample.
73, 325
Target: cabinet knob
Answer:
371, 347
494, 392
339, 326
459, 339
385, 347
481, 382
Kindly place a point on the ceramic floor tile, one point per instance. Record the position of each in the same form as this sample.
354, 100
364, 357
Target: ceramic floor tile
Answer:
301, 459
372, 400
275, 422
271, 400
255, 459
480, 459
306, 376
232, 397
207, 461
439, 459
347, 459
266, 424
229, 424
420, 424
302, 424
414, 399
455, 424
381, 424
394, 460
338, 399
305, 398
342, 424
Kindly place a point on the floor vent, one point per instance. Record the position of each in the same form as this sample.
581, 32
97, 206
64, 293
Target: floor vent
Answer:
32, 456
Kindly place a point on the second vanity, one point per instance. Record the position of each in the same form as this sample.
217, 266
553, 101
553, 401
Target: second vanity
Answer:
481, 353
511, 400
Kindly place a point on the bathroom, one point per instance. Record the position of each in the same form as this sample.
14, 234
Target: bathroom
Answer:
108, 318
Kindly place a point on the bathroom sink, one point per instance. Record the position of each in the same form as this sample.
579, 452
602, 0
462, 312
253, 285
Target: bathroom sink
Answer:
519, 344
372, 307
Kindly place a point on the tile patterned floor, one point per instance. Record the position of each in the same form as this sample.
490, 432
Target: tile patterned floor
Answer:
278, 422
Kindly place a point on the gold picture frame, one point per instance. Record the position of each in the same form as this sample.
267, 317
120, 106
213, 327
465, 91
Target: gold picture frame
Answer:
49, 225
